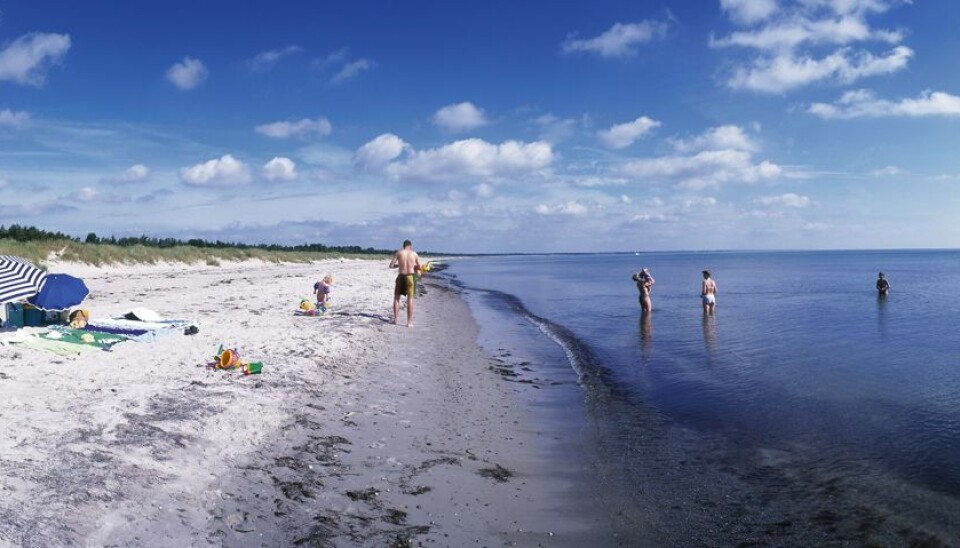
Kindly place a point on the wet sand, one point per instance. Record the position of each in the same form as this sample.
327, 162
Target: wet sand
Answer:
358, 432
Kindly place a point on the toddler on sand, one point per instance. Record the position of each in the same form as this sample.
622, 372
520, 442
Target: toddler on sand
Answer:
323, 292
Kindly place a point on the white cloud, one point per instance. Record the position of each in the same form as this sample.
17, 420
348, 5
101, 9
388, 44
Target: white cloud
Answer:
783, 73
554, 129
16, 120
473, 158
351, 70
624, 135
709, 168
791, 39
285, 129
691, 203
460, 117
379, 151
592, 181
138, 172
749, 11
624, 199
847, 7
280, 169
718, 138
572, 208
265, 60
483, 190
85, 194
187, 74
224, 171
785, 200
790, 34
26, 59
335, 57
619, 41
133, 174
888, 171
864, 104
3, 183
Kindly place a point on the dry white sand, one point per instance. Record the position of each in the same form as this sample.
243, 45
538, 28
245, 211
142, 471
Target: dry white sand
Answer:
358, 432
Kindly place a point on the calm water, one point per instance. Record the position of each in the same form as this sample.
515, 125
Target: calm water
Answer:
806, 409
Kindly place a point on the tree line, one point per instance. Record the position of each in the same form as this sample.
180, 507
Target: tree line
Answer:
32, 233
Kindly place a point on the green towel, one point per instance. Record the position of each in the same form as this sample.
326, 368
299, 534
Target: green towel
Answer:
75, 336
60, 348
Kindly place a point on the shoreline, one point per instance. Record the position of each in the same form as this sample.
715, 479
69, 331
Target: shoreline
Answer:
357, 432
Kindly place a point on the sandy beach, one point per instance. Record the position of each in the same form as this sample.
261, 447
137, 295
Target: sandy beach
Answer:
358, 432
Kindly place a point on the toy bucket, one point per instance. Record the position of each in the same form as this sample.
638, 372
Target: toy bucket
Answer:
228, 359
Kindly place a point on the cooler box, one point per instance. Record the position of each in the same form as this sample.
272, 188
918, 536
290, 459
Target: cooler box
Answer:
32, 317
15, 314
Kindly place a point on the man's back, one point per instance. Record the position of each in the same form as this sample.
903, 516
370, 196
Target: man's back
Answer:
407, 261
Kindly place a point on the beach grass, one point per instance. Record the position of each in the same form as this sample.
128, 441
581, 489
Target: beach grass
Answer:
98, 254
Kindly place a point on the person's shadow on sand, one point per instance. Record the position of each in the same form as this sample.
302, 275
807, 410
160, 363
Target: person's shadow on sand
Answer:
364, 315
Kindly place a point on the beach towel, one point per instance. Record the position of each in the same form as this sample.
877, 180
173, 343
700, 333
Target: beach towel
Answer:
139, 331
38, 340
82, 336
60, 348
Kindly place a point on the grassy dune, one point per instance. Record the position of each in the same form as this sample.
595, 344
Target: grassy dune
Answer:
103, 254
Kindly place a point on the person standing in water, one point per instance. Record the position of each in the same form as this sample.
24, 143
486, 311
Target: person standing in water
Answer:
708, 293
408, 262
883, 286
644, 284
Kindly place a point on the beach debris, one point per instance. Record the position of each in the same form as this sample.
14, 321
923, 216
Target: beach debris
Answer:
498, 473
395, 516
240, 522
229, 358
363, 494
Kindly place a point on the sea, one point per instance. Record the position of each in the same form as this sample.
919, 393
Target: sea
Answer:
807, 410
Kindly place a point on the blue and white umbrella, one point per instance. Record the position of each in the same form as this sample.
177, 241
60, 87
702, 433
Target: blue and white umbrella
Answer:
19, 279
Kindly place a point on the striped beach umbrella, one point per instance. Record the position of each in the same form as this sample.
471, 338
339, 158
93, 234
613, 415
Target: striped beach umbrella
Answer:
19, 279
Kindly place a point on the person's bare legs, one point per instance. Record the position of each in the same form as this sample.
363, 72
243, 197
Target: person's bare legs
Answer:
410, 310
396, 308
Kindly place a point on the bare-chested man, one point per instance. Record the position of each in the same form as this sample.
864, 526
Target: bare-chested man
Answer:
408, 262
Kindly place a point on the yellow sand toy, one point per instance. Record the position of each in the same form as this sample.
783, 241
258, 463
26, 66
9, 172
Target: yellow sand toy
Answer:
311, 309
229, 358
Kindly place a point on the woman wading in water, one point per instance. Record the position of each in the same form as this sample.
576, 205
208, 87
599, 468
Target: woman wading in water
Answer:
644, 284
708, 293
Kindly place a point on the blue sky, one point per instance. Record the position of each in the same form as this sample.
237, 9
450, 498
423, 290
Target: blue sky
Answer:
486, 126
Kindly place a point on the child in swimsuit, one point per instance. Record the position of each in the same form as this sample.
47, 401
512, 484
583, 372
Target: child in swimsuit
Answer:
883, 286
323, 292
